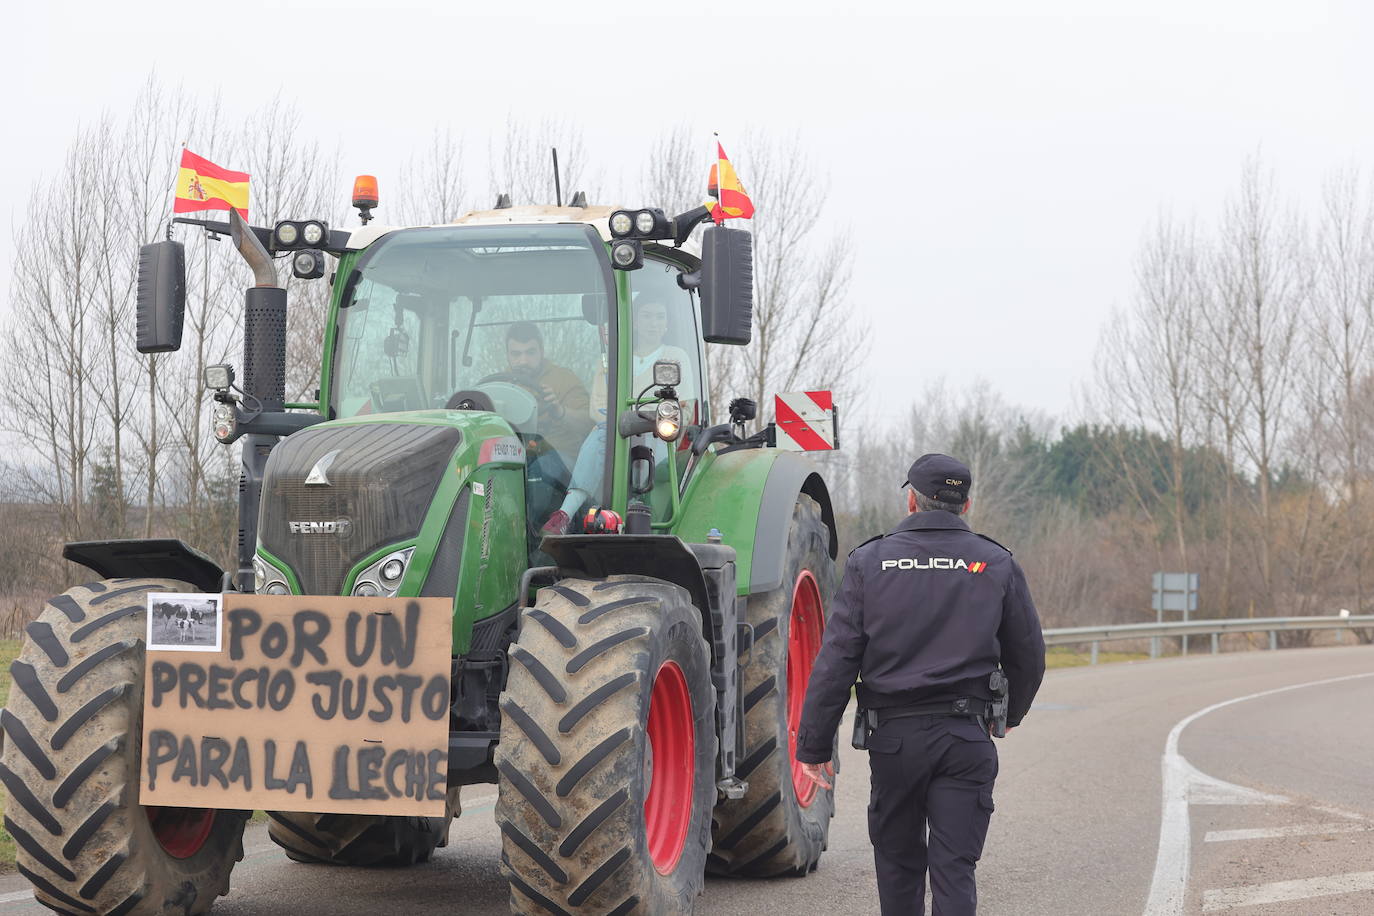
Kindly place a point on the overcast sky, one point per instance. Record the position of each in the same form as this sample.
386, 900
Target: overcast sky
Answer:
996, 167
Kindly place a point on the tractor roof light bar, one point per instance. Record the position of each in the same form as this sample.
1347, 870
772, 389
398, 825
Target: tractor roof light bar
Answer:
334, 241
651, 224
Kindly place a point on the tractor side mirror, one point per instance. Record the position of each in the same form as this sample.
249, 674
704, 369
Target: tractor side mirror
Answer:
161, 296
727, 285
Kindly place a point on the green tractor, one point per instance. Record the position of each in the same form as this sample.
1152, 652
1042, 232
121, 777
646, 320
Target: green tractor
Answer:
513, 414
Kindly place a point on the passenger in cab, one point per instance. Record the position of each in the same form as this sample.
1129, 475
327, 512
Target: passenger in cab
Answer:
650, 327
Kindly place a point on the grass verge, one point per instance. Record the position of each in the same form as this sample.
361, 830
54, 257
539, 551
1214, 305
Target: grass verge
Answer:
9, 650
1064, 657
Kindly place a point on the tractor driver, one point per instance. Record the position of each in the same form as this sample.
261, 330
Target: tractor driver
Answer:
563, 400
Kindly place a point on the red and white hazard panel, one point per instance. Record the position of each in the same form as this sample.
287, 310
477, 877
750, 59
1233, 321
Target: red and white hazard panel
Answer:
805, 420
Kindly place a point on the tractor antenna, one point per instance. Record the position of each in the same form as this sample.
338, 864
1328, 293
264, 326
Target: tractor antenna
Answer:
557, 185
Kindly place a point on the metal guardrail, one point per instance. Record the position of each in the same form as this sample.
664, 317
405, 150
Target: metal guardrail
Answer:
1064, 636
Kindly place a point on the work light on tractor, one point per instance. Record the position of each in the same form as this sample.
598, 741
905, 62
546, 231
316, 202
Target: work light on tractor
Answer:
219, 377
575, 583
308, 264
289, 235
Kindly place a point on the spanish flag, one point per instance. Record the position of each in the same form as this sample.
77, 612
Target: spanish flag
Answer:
202, 185
728, 200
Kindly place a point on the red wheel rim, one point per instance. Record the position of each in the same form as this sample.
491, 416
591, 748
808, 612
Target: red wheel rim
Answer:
669, 767
803, 642
181, 831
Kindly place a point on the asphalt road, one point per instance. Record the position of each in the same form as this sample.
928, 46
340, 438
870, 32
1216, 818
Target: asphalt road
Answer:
1262, 806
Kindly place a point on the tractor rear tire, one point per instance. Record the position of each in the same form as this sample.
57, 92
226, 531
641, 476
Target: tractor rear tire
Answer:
782, 824
607, 752
73, 736
359, 839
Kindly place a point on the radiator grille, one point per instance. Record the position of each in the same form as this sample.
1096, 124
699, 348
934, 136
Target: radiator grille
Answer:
382, 482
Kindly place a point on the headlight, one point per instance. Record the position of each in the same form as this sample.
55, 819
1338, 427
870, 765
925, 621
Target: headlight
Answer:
627, 254
308, 265
383, 578
267, 579
621, 224
313, 233
287, 234
668, 420
644, 222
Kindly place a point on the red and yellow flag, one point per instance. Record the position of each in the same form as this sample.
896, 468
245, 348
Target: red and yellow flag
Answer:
728, 200
202, 185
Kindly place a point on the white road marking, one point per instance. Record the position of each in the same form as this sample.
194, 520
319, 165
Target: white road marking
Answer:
1184, 783
1274, 833
1284, 891
15, 896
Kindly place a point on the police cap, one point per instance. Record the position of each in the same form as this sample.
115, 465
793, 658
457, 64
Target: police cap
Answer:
940, 477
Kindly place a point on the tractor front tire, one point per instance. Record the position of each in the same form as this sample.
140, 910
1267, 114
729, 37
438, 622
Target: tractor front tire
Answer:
73, 734
782, 824
360, 839
607, 752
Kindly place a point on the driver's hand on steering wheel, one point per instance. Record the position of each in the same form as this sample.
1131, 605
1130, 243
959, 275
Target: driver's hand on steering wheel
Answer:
551, 404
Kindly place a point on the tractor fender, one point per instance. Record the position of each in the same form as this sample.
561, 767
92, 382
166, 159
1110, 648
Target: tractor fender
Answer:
748, 496
151, 558
662, 556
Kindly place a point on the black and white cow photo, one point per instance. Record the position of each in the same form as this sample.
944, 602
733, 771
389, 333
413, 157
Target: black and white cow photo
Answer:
189, 622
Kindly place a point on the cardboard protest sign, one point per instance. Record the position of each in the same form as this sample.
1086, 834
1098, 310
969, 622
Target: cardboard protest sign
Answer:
321, 704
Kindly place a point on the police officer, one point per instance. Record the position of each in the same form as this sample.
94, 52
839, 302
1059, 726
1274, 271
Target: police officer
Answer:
925, 615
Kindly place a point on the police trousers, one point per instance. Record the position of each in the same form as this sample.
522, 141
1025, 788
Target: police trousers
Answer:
935, 774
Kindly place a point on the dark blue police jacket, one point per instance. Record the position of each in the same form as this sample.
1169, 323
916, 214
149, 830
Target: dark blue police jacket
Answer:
925, 613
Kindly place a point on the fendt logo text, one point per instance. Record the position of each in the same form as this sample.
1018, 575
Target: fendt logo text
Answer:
935, 563
340, 527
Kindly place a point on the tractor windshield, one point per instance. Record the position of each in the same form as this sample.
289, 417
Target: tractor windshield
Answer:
501, 318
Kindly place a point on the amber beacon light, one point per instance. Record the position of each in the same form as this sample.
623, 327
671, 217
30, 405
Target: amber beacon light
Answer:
365, 196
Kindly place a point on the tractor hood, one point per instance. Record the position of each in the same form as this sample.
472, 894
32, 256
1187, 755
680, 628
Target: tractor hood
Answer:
336, 493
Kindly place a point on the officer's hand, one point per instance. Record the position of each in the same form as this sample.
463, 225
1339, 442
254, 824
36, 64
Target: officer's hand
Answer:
817, 773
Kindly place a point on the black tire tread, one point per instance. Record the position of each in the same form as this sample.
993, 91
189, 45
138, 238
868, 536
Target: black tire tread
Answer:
30, 748
767, 833
568, 826
356, 839
70, 765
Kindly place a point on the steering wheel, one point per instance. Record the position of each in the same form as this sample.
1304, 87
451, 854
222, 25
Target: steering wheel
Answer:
523, 379
514, 396
470, 399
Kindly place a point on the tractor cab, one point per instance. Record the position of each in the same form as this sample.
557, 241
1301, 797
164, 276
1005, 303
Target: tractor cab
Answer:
518, 312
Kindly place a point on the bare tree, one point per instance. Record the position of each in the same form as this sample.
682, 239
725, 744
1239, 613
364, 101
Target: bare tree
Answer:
431, 187
50, 367
1221, 403
161, 121
522, 162
1148, 364
1343, 294
1262, 279
675, 177
805, 332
